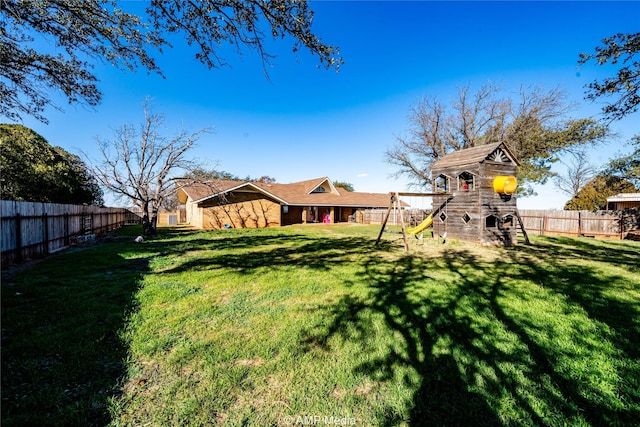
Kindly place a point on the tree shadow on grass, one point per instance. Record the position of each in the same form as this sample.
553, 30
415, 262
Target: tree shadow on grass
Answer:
62, 356
245, 254
479, 352
600, 294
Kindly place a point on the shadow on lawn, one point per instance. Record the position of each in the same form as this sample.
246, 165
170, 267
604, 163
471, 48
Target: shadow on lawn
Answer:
268, 251
475, 348
62, 356
467, 340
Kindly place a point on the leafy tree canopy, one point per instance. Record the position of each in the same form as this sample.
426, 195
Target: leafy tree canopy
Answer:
628, 167
202, 174
621, 50
85, 31
593, 196
33, 170
346, 185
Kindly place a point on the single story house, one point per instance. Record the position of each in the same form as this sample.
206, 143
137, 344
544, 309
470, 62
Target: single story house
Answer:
623, 201
244, 204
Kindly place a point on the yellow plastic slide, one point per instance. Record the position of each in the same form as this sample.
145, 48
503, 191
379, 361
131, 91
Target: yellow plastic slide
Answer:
422, 226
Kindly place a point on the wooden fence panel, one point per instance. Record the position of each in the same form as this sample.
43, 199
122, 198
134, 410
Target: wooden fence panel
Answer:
32, 229
601, 224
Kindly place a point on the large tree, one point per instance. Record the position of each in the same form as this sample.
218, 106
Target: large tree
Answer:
579, 171
32, 170
534, 125
627, 167
139, 164
86, 31
593, 196
623, 89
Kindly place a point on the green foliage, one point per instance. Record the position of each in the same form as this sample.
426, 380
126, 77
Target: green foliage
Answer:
620, 50
628, 167
85, 31
346, 185
542, 145
199, 173
593, 196
33, 170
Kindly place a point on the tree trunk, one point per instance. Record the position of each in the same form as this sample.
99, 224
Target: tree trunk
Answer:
149, 221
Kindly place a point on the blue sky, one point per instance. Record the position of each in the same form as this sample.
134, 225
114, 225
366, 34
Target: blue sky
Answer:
307, 122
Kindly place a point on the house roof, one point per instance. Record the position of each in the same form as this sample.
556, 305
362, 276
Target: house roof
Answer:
303, 193
199, 191
624, 197
473, 155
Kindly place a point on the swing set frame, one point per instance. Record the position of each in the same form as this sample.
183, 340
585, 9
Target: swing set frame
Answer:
395, 202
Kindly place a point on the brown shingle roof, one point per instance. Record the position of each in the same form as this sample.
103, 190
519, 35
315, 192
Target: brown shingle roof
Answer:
204, 190
295, 194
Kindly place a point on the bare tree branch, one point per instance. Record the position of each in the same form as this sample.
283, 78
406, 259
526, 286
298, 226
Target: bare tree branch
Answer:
139, 166
578, 173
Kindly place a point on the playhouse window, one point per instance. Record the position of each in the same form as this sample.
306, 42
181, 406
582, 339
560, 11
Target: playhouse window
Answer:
443, 217
466, 182
507, 221
466, 218
491, 221
442, 184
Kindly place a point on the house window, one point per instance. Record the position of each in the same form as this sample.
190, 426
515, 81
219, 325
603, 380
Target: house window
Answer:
466, 182
491, 221
466, 218
507, 221
285, 209
442, 184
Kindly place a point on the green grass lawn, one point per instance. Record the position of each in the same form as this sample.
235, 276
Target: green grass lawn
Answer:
278, 326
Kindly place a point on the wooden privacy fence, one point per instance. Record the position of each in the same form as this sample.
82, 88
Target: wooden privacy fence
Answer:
602, 224
31, 229
411, 216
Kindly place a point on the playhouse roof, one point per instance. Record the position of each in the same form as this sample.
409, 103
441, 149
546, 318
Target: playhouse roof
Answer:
476, 154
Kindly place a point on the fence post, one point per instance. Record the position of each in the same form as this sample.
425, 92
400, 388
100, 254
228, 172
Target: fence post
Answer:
579, 223
66, 229
45, 219
18, 238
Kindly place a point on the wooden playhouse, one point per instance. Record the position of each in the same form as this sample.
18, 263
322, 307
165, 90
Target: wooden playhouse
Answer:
475, 198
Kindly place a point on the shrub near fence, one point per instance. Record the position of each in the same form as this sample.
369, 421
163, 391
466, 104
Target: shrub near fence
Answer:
31, 229
601, 224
